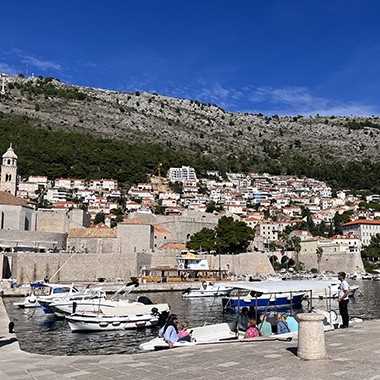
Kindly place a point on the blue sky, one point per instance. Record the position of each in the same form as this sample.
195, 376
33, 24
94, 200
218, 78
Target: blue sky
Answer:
270, 56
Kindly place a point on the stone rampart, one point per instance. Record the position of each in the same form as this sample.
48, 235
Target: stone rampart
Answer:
32, 239
27, 267
337, 262
244, 263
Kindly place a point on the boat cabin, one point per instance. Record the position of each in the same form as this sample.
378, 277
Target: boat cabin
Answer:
190, 260
46, 289
167, 274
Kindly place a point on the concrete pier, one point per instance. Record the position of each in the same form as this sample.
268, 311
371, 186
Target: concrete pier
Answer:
353, 354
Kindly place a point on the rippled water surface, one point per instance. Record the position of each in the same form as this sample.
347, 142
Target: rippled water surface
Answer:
38, 332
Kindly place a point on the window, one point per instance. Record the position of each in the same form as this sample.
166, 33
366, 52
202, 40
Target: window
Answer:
27, 224
2, 221
9, 162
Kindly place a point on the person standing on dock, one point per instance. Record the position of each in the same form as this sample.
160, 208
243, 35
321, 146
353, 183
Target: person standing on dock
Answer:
343, 299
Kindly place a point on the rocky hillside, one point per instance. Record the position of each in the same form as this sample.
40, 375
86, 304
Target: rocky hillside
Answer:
188, 124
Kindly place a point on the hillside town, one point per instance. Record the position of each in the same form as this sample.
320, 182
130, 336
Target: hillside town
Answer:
295, 220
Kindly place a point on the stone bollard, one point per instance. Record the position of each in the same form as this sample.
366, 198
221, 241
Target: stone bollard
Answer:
311, 337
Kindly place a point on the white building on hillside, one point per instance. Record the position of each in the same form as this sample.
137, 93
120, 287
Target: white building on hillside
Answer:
363, 229
185, 173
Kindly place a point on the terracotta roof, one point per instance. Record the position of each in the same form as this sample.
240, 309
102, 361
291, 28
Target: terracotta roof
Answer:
160, 230
177, 246
11, 200
362, 221
93, 232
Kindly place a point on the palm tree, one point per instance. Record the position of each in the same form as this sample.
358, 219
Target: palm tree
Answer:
296, 245
319, 253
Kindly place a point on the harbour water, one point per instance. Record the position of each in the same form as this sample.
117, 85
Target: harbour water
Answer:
43, 334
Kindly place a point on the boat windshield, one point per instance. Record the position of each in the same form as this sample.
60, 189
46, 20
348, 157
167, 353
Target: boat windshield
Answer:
61, 290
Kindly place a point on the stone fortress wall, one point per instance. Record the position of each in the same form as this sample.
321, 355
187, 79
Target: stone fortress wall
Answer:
27, 267
338, 262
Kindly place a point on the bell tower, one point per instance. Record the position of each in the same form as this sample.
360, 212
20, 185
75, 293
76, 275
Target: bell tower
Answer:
8, 181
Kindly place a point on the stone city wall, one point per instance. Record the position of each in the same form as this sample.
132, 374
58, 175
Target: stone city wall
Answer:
338, 262
96, 245
244, 263
27, 267
32, 239
61, 220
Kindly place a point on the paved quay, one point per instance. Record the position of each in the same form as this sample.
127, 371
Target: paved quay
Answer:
353, 354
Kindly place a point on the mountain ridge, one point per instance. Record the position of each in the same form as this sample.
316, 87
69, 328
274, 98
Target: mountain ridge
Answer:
188, 124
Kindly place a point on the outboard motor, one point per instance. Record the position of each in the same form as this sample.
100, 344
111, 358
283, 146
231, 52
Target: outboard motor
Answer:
145, 300
162, 319
11, 327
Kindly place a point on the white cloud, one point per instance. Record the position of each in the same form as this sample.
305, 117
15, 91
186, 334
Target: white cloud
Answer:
40, 64
299, 100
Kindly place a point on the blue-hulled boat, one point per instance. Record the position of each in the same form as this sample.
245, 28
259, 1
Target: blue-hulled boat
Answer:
280, 302
272, 295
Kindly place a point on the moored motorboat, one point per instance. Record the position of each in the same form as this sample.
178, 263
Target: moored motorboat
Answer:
224, 333
274, 301
42, 294
99, 322
207, 289
114, 306
29, 302
69, 305
219, 333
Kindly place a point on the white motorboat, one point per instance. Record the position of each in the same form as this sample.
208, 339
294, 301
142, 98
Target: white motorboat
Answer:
376, 277
44, 293
217, 334
101, 305
99, 322
129, 316
113, 306
29, 302
367, 276
69, 304
207, 289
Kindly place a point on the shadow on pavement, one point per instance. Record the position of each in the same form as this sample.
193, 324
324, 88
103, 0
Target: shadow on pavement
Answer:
4, 342
293, 350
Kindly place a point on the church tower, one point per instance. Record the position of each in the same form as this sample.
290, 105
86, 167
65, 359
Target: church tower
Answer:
8, 181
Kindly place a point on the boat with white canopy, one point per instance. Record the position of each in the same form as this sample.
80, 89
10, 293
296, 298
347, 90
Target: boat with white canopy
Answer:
261, 302
279, 295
